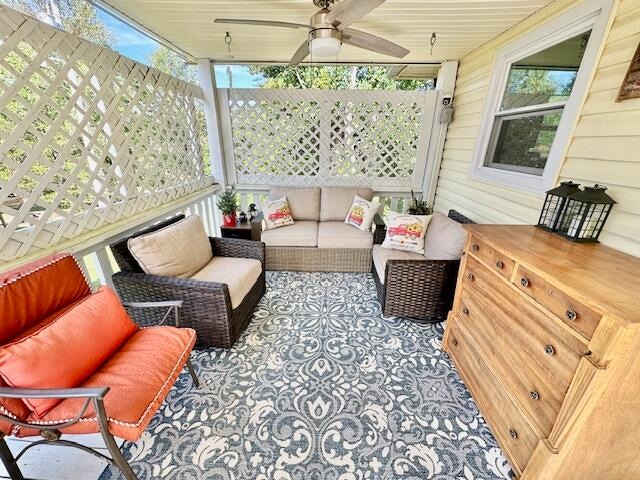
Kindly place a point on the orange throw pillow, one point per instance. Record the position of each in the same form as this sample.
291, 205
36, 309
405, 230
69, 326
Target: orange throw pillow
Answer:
67, 351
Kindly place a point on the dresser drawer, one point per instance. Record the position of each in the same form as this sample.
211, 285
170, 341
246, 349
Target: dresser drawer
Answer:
572, 312
497, 260
516, 438
535, 354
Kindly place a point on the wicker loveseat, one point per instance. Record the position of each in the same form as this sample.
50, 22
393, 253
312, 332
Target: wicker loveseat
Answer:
319, 240
413, 286
208, 307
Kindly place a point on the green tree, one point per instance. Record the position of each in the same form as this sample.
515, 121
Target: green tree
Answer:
170, 62
334, 78
74, 16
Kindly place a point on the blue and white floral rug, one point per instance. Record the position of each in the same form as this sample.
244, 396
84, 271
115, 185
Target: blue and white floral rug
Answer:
321, 386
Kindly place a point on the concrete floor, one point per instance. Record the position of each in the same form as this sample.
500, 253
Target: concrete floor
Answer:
50, 462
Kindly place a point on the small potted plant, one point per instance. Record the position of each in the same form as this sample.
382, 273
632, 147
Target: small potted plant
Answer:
228, 203
418, 206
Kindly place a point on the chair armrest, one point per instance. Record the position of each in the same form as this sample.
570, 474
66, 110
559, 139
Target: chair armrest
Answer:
234, 247
135, 287
96, 392
436, 274
380, 229
95, 395
170, 305
256, 226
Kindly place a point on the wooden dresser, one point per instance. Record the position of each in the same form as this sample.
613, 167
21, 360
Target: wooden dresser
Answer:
546, 335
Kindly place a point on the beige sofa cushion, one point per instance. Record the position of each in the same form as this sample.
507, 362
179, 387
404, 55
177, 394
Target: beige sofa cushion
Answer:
341, 235
445, 238
300, 234
239, 274
336, 201
177, 250
382, 255
303, 202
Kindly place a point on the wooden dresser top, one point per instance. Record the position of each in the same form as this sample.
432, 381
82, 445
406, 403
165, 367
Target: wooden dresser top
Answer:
602, 277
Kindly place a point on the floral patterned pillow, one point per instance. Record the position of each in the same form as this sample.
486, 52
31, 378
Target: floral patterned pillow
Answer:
361, 213
406, 232
277, 213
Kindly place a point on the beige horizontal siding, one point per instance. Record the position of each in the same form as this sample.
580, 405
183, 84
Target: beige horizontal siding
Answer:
605, 147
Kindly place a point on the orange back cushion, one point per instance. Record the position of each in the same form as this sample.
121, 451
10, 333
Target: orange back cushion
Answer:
65, 352
31, 293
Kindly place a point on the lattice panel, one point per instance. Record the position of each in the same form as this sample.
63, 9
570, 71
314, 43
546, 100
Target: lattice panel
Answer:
87, 137
324, 137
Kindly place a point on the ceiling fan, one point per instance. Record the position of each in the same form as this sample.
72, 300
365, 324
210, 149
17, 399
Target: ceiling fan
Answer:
329, 29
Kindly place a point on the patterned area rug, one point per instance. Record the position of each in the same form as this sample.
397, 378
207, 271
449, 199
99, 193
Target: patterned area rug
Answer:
321, 386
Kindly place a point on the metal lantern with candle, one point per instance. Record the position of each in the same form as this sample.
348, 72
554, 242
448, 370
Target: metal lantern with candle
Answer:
585, 214
554, 205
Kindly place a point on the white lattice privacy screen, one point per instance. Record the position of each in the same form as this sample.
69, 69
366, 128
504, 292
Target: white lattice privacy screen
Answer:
325, 137
87, 137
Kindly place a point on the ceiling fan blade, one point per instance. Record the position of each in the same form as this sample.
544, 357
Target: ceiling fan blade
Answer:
349, 11
263, 23
367, 41
300, 55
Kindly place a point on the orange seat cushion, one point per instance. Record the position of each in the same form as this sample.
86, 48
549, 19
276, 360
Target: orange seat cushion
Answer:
139, 375
34, 291
65, 352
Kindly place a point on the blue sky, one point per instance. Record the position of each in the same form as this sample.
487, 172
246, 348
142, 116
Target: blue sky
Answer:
139, 47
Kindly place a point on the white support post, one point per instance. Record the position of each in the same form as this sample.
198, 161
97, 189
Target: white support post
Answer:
445, 86
209, 91
105, 270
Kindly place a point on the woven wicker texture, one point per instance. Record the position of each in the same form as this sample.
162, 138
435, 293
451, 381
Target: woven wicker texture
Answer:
312, 259
422, 290
206, 305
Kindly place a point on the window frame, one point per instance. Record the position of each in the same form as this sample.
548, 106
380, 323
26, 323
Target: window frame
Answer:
594, 15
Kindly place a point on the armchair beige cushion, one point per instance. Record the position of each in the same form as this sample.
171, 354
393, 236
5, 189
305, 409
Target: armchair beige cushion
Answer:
382, 255
239, 274
300, 234
335, 202
304, 203
445, 239
341, 235
177, 250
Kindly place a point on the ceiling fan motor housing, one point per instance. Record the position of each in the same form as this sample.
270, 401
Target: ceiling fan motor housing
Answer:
324, 4
324, 39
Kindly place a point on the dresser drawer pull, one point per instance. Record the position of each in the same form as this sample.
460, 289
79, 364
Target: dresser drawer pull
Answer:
470, 276
571, 314
534, 395
549, 350
465, 310
524, 281
454, 342
513, 433
499, 265
475, 247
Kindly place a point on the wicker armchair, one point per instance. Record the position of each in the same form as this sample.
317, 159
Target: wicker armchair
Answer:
419, 289
206, 306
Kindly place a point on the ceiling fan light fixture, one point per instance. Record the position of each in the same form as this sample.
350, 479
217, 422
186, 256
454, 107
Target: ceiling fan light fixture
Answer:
324, 42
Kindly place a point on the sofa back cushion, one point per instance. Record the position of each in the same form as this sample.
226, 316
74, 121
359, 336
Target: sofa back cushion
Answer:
335, 202
65, 352
445, 239
177, 250
303, 202
31, 293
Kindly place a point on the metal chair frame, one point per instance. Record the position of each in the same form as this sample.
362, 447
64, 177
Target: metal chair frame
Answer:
51, 434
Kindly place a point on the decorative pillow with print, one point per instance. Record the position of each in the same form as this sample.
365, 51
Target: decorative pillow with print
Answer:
361, 213
406, 232
277, 213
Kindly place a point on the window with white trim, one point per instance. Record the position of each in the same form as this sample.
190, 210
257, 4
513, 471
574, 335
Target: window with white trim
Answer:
535, 92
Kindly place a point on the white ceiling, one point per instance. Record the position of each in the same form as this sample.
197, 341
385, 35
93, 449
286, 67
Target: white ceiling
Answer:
460, 25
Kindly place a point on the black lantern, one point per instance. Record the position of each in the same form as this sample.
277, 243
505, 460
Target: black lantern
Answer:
554, 205
253, 211
585, 214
